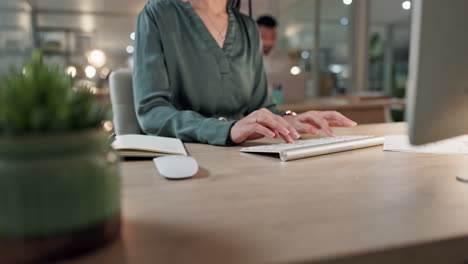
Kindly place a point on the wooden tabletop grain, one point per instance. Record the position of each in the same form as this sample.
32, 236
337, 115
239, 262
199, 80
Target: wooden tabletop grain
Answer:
362, 206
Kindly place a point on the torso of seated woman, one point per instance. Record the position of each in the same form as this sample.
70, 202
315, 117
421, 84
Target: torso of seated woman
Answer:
214, 16
212, 69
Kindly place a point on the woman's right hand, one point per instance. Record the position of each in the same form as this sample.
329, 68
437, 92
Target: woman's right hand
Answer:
262, 123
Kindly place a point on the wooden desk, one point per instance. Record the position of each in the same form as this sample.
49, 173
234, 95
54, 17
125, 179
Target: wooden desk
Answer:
364, 206
363, 112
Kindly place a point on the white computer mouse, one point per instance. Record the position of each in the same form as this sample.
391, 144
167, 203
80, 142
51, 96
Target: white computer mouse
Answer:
176, 167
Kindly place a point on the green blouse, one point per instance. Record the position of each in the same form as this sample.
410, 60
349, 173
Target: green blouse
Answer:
183, 81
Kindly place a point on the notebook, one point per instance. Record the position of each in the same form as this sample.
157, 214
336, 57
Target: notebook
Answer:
315, 147
148, 146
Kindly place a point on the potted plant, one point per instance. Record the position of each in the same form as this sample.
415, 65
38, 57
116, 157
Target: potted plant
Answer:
59, 178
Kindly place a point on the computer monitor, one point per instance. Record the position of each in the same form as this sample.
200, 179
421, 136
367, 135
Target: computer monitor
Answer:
438, 72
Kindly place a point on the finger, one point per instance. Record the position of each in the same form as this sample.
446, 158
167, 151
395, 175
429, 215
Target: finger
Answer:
320, 121
272, 124
257, 128
307, 128
254, 118
277, 135
288, 138
338, 117
294, 133
334, 123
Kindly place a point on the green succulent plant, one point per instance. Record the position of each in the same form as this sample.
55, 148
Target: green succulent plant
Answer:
41, 100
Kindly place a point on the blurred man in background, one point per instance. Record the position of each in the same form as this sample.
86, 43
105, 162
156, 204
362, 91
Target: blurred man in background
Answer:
276, 61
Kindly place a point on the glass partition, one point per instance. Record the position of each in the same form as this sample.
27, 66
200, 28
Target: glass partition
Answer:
317, 36
335, 43
389, 46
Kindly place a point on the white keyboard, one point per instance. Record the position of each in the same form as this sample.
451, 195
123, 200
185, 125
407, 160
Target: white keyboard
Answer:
315, 147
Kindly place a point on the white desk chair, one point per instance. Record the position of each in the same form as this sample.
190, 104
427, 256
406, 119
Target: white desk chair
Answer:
121, 93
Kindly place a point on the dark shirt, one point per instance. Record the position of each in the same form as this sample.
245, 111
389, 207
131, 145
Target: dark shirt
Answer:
183, 81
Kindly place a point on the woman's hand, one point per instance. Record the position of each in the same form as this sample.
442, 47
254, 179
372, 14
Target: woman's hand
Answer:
313, 121
262, 123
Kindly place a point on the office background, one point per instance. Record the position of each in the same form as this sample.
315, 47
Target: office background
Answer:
363, 206
342, 54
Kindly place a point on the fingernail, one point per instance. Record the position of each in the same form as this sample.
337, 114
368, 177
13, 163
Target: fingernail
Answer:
285, 131
296, 135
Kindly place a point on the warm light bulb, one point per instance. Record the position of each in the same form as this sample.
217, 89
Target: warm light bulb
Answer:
130, 49
295, 70
108, 126
71, 70
406, 5
90, 71
336, 68
97, 58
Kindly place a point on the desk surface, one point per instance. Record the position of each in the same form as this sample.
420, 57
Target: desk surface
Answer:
363, 112
340, 104
363, 206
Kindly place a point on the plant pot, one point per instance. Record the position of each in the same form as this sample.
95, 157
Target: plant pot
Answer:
59, 195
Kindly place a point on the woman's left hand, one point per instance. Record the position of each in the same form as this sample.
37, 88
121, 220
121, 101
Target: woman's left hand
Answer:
313, 121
